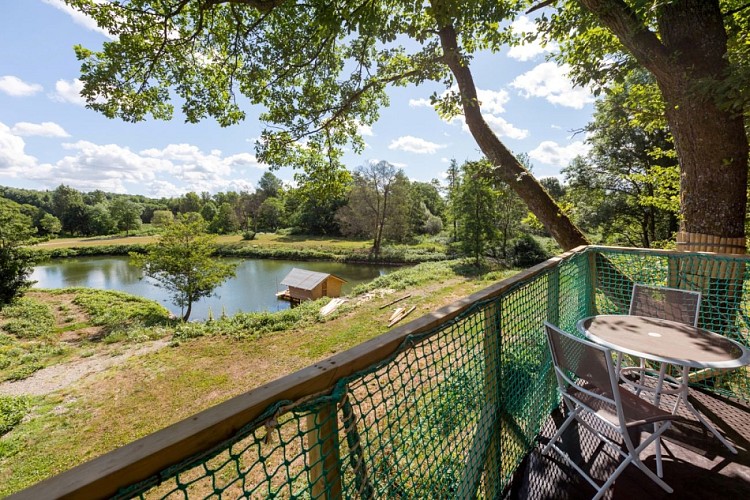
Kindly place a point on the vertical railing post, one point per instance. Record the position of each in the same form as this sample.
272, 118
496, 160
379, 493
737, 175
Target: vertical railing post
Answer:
553, 295
323, 452
590, 306
493, 397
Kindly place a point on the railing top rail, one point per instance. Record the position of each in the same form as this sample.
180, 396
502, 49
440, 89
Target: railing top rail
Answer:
141, 459
659, 251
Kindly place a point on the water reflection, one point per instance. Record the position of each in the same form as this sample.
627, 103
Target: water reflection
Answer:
253, 289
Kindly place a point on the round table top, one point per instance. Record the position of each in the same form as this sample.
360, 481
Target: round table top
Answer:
664, 341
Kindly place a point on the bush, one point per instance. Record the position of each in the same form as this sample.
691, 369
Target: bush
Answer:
248, 235
28, 319
434, 225
526, 251
12, 411
118, 311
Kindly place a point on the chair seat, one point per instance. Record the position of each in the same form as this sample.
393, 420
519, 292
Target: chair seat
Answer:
636, 411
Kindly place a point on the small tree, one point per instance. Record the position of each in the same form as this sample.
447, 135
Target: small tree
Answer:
127, 214
162, 218
16, 229
180, 261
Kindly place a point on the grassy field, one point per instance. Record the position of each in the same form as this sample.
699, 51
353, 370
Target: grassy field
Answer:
264, 245
269, 240
203, 364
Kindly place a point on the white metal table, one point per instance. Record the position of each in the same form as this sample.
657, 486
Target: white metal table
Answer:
669, 342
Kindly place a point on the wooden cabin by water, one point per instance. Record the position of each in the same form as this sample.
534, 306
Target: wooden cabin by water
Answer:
309, 285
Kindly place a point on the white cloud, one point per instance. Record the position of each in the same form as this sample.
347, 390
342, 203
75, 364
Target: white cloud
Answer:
529, 50
500, 126
399, 165
551, 82
78, 17
163, 189
14, 86
553, 153
413, 144
492, 101
419, 103
13, 157
365, 130
69, 92
44, 129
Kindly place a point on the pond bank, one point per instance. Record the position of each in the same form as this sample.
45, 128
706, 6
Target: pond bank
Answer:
393, 256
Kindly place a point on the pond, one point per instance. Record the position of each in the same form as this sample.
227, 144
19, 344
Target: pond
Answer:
253, 289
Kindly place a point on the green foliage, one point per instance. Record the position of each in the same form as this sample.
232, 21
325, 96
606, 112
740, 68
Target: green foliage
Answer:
12, 410
248, 235
377, 207
16, 229
162, 218
627, 188
403, 279
27, 318
526, 251
270, 214
126, 214
50, 224
119, 311
251, 325
180, 261
24, 371
476, 204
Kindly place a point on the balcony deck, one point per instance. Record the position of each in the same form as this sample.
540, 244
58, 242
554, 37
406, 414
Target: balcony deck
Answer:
696, 464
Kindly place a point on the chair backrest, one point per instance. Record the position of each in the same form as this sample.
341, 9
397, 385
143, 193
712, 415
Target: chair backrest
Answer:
671, 304
588, 362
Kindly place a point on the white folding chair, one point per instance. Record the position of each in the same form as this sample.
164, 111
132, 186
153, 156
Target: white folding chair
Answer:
659, 302
587, 381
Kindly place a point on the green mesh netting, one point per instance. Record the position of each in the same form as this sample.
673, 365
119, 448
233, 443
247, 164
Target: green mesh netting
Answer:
454, 411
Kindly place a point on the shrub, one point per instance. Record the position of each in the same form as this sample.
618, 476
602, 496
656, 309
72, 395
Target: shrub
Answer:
433, 225
28, 319
526, 251
24, 371
248, 235
12, 411
117, 311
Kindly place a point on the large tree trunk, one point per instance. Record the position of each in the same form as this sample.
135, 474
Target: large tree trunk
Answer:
689, 62
507, 167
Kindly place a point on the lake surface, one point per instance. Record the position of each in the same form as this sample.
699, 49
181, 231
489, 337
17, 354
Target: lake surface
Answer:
253, 289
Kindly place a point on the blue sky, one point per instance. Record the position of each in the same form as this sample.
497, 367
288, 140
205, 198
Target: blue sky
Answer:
48, 138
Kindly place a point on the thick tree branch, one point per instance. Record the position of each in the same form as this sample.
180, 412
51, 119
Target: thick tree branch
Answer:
261, 5
507, 167
633, 34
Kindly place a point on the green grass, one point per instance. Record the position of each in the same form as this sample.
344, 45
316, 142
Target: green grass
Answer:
27, 318
12, 411
209, 363
264, 245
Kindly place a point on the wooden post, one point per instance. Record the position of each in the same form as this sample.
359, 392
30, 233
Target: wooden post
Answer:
493, 398
323, 453
553, 296
591, 282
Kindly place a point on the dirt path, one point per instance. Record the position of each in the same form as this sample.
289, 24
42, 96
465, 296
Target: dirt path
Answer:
57, 377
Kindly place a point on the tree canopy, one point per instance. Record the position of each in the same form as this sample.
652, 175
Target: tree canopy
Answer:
697, 52
321, 69
181, 263
16, 230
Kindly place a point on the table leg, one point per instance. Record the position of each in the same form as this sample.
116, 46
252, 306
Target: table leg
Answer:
659, 383
694, 411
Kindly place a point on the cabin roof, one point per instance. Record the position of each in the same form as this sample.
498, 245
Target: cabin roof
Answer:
307, 280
